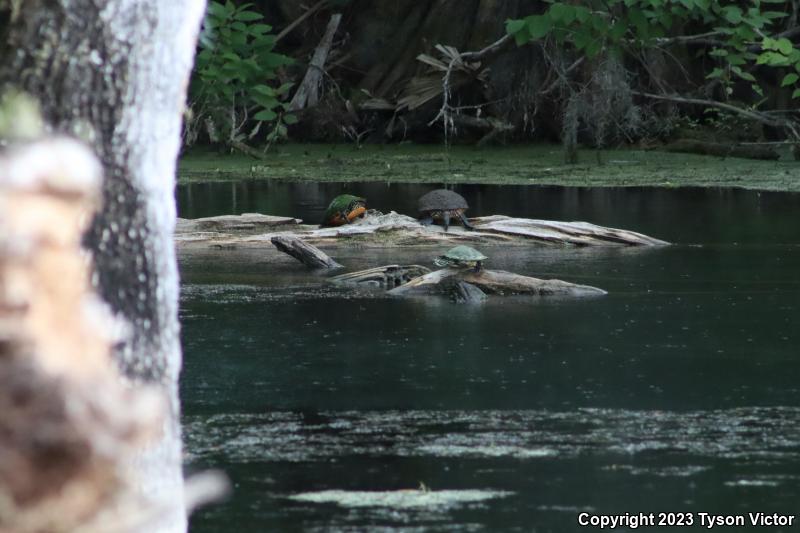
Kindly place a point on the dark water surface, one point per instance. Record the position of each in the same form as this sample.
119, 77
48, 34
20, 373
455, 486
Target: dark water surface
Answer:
677, 392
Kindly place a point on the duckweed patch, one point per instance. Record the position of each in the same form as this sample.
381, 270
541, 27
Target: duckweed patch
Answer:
531, 164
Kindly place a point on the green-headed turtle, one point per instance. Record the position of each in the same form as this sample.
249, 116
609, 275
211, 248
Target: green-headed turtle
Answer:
343, 210
443, 205
461, 257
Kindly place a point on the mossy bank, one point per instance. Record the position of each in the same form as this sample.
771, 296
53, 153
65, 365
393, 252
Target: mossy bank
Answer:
534, 165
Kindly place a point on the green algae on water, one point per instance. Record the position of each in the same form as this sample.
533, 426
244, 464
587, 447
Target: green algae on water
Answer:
517, 165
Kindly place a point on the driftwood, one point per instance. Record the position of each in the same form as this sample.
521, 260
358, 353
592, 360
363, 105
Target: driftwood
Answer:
385, 277
309, 255
394, 230
224, 223
748, 151
497, 282
307, 94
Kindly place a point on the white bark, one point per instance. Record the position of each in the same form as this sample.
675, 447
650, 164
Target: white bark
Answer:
115, 72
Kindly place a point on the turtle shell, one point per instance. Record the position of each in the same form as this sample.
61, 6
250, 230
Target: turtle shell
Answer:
344, 203
464, 253
441, 200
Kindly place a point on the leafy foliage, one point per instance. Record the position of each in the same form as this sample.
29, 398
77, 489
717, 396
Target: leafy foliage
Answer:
739, 37
233, 85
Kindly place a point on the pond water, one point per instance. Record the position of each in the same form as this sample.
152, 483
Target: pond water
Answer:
677, 392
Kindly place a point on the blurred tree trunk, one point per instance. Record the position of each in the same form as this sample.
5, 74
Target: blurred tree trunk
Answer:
114, 73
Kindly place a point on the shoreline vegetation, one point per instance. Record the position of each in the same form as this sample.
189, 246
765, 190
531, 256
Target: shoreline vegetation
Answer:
538, 164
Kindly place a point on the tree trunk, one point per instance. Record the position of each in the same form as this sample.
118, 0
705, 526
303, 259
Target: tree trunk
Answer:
115, 73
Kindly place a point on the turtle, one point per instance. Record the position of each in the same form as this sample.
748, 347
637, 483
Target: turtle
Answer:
343, 210
443, 204
461, 257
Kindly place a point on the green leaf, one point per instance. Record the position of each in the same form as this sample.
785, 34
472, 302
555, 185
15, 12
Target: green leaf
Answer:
742, 74
265, 115
775, 14
290, 119
248, 16
522, 36
514, 26
582, 39
538, 26
260, 28
218, 10
718, 52
736, 59
600, 25
618, 30
732, 14
593, 48
796, 93
716, 73
562, 12
267, 102
284, 88
789, 79
263, 89
784, 46
582, 13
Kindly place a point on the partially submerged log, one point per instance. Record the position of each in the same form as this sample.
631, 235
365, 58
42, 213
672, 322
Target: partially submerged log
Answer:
385, 277
442, 282
395, 230
309, 255
467, 293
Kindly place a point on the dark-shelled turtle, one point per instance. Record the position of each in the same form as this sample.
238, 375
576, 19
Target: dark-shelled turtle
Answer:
461, 257
443, 205
343, 210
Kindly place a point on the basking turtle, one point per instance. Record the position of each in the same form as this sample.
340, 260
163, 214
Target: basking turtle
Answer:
461, 257
443, 204
343, 210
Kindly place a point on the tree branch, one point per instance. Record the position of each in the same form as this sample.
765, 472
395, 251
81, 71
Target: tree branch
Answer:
753, 115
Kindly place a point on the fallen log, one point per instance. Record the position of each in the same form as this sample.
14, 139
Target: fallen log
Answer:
243, 222
309, 255
395, 230
498, 282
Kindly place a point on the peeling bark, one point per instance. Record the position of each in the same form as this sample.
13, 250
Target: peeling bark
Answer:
69, 426
115, 74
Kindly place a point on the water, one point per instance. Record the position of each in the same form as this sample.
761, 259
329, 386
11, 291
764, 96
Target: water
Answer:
676, 392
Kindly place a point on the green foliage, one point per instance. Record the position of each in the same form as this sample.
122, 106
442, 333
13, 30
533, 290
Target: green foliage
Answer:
745, 35
233, 84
